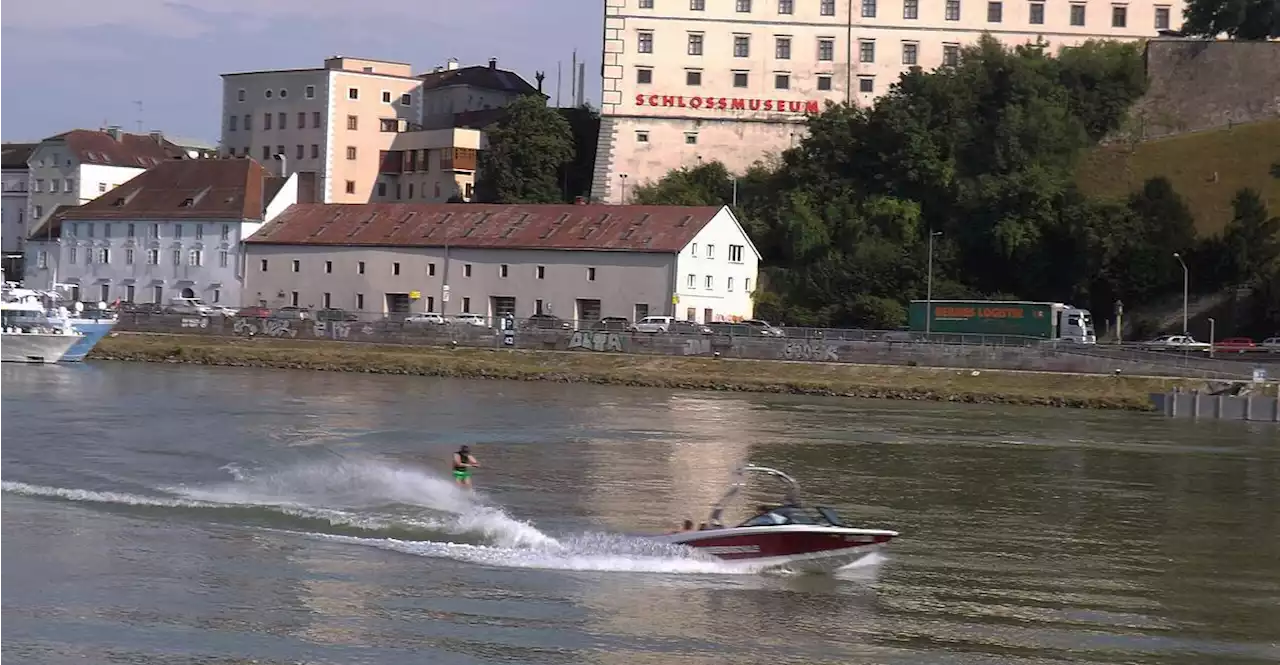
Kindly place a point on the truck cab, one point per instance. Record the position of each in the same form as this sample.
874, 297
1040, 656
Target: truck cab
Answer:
1076, 326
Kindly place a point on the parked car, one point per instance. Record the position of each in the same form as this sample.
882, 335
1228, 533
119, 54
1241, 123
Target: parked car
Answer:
766, 328
742, 329
612, 323
470, 320
1236, 344
688, 328
545, 322
1271, 344
425, 317
300, 313
254, 312
335, 314
141, 308
653, 324
1175, 343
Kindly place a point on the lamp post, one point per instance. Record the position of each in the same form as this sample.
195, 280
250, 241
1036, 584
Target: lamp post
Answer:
928, 295
1212, 330
1186, 282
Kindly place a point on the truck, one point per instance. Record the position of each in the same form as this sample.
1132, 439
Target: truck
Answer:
1051, 321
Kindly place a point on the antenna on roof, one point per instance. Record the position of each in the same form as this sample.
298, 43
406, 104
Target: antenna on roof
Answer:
573, 77
138, 103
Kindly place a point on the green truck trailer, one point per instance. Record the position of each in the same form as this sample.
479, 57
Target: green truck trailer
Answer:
1041, 320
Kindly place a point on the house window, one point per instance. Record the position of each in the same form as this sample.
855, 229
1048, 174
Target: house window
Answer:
693, 77
1077, 14
353, 122
743, 6
1162, 18
389, 125
351, 187
266, 152
102, 187
226, 231
195, 257
709, 282
910, 53
301, 151
386, 96
782, 81
240, 95
541, 272
644, 41
502, 270
646, 4
711, 251
786, 6
695, 43
293, 298
466, 270
866, 84
177, 257
268, 93
328, 267
232, 122
1119, 16
741, 46
297, 265
217, 295
735, 253
644, 75
692, 281
995, 12
642, 137
1037, 14
728, 284
105, 292
868, 8
310, 92
71, 255
827, 7
248, 122
327, 300
199, 231
315, 119
283, 119
104, 256
382, 189
315, 151
431, 270
826, 49
697, 5
353, 93
177, 231
911, 9
952, 11
153, 258
782, 48
950, 55
224, 259
466, 305
359, 302
266, 120
42, 260
740, 79
691, 138
824, 82
406, 99
157, 294
128, 257
302, 119
693, 251
866, 50
263, 266
591, 274
395, 268
351, 152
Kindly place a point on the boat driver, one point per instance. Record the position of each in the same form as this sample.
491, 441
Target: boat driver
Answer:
764, 512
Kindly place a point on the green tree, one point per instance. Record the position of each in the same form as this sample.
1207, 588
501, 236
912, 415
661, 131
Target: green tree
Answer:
528, 150
1238, 19
1252, 237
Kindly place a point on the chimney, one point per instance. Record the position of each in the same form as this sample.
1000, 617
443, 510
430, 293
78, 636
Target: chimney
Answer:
579, 201
539, 76
114, 132
157, 135
452, 64
493, 63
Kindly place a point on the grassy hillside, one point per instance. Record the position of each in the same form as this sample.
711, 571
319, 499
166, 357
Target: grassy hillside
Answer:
1241, 156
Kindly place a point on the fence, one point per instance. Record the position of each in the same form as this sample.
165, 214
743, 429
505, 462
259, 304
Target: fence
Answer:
544, 335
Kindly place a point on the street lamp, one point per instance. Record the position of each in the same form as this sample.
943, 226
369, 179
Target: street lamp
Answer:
928, 296
1212, 329
1186, 282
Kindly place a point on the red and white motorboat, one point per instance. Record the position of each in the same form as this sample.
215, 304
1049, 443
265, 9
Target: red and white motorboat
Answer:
790, 536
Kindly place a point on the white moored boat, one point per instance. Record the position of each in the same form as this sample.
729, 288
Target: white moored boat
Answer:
27, 335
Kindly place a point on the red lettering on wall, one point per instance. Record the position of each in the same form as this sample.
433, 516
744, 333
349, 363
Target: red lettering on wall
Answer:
695, 103
811, 106
668, 100
653, 100
730, 103
639, 100
738, 104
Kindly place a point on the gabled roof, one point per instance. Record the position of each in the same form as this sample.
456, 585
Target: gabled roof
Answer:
123, 149
16, 154
478, 76
214, 189
632, 228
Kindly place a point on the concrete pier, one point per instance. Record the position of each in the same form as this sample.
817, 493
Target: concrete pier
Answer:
1249, 407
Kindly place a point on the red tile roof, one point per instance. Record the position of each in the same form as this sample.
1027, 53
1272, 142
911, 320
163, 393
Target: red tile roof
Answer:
135, 150
221, 189
632, 228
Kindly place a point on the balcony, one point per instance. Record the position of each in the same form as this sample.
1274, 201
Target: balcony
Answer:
458, 159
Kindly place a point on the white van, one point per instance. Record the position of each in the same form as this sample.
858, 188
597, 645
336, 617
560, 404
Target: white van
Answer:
654, 324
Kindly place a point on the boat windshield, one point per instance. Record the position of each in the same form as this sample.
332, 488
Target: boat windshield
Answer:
784, 515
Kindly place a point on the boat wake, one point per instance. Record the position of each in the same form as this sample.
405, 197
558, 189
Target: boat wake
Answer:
411, 511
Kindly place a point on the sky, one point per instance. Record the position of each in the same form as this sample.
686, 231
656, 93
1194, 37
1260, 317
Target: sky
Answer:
85, 63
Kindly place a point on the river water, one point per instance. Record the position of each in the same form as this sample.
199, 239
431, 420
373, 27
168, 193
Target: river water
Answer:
174, 514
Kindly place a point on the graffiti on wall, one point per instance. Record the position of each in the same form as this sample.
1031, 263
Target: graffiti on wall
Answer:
590, 340
696, 347
332, 329
195, 322
811, 351
268, 327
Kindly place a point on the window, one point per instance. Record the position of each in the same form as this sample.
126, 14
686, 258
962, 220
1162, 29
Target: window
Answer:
746, 284
910, 53
786, 6
711, 251
728, 284
382, 189
353, 122
177, 257
950, 55
351, 187
782, 81
360, 267
866, 84
328, 267
91, 226
283, 93
735, 253
995, 12
824, 81
71, 255
315, 118
1037, 14
302, 119
232, 122
199, 230
240, 95
293, 298
743, 6
1162, 18
693, 251
224, 259
128, 257
541, 272
389, 125
953, 10
395, 268
266, 152
741, 46
693, 77
1119, 16
153, 257
129, 230
739, 79
42, 260
644, 41
315, 151
466, 270
309, 92
782, 48
591, 274
248, 122
301, 151
709, 282
105, 292
226, 231
644, 75
466, 305
268, 93
826, 49
262, 267
102, 187
692, 282
282, 119
195, 257
266, 120
351, 152
386, 96
1077, 14
353, 93
695, 43
868, 8
827, 7
359, 302
697, 5
691, 138
911, 9
177, 231
104, 255
431, 270
646, 4
39, 186
642, 137
866, 50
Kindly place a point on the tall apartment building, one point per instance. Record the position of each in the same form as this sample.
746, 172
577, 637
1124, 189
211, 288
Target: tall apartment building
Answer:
370, 130
13, 215
732, 80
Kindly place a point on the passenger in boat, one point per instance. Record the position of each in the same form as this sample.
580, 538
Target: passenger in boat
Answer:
765, 515
463, 462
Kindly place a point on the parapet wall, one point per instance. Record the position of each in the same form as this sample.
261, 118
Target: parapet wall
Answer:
1194, 85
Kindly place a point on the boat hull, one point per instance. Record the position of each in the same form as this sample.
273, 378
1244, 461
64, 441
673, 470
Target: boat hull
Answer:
93, 331
35, 348
801, 548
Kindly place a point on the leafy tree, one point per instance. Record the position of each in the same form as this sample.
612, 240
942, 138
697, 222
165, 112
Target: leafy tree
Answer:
1238, 19
528, 148
1252, 238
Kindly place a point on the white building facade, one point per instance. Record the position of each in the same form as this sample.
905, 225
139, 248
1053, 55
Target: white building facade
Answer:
732, 80
13, 215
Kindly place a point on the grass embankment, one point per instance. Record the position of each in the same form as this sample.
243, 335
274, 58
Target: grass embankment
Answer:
892, 382
1240, 156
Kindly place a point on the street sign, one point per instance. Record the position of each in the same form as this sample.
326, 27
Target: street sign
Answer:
444, 293
1259, 375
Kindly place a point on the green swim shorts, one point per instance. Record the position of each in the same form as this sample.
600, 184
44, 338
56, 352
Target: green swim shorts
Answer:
461, 474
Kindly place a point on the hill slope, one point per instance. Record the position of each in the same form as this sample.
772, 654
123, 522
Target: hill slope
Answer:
1240, 156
